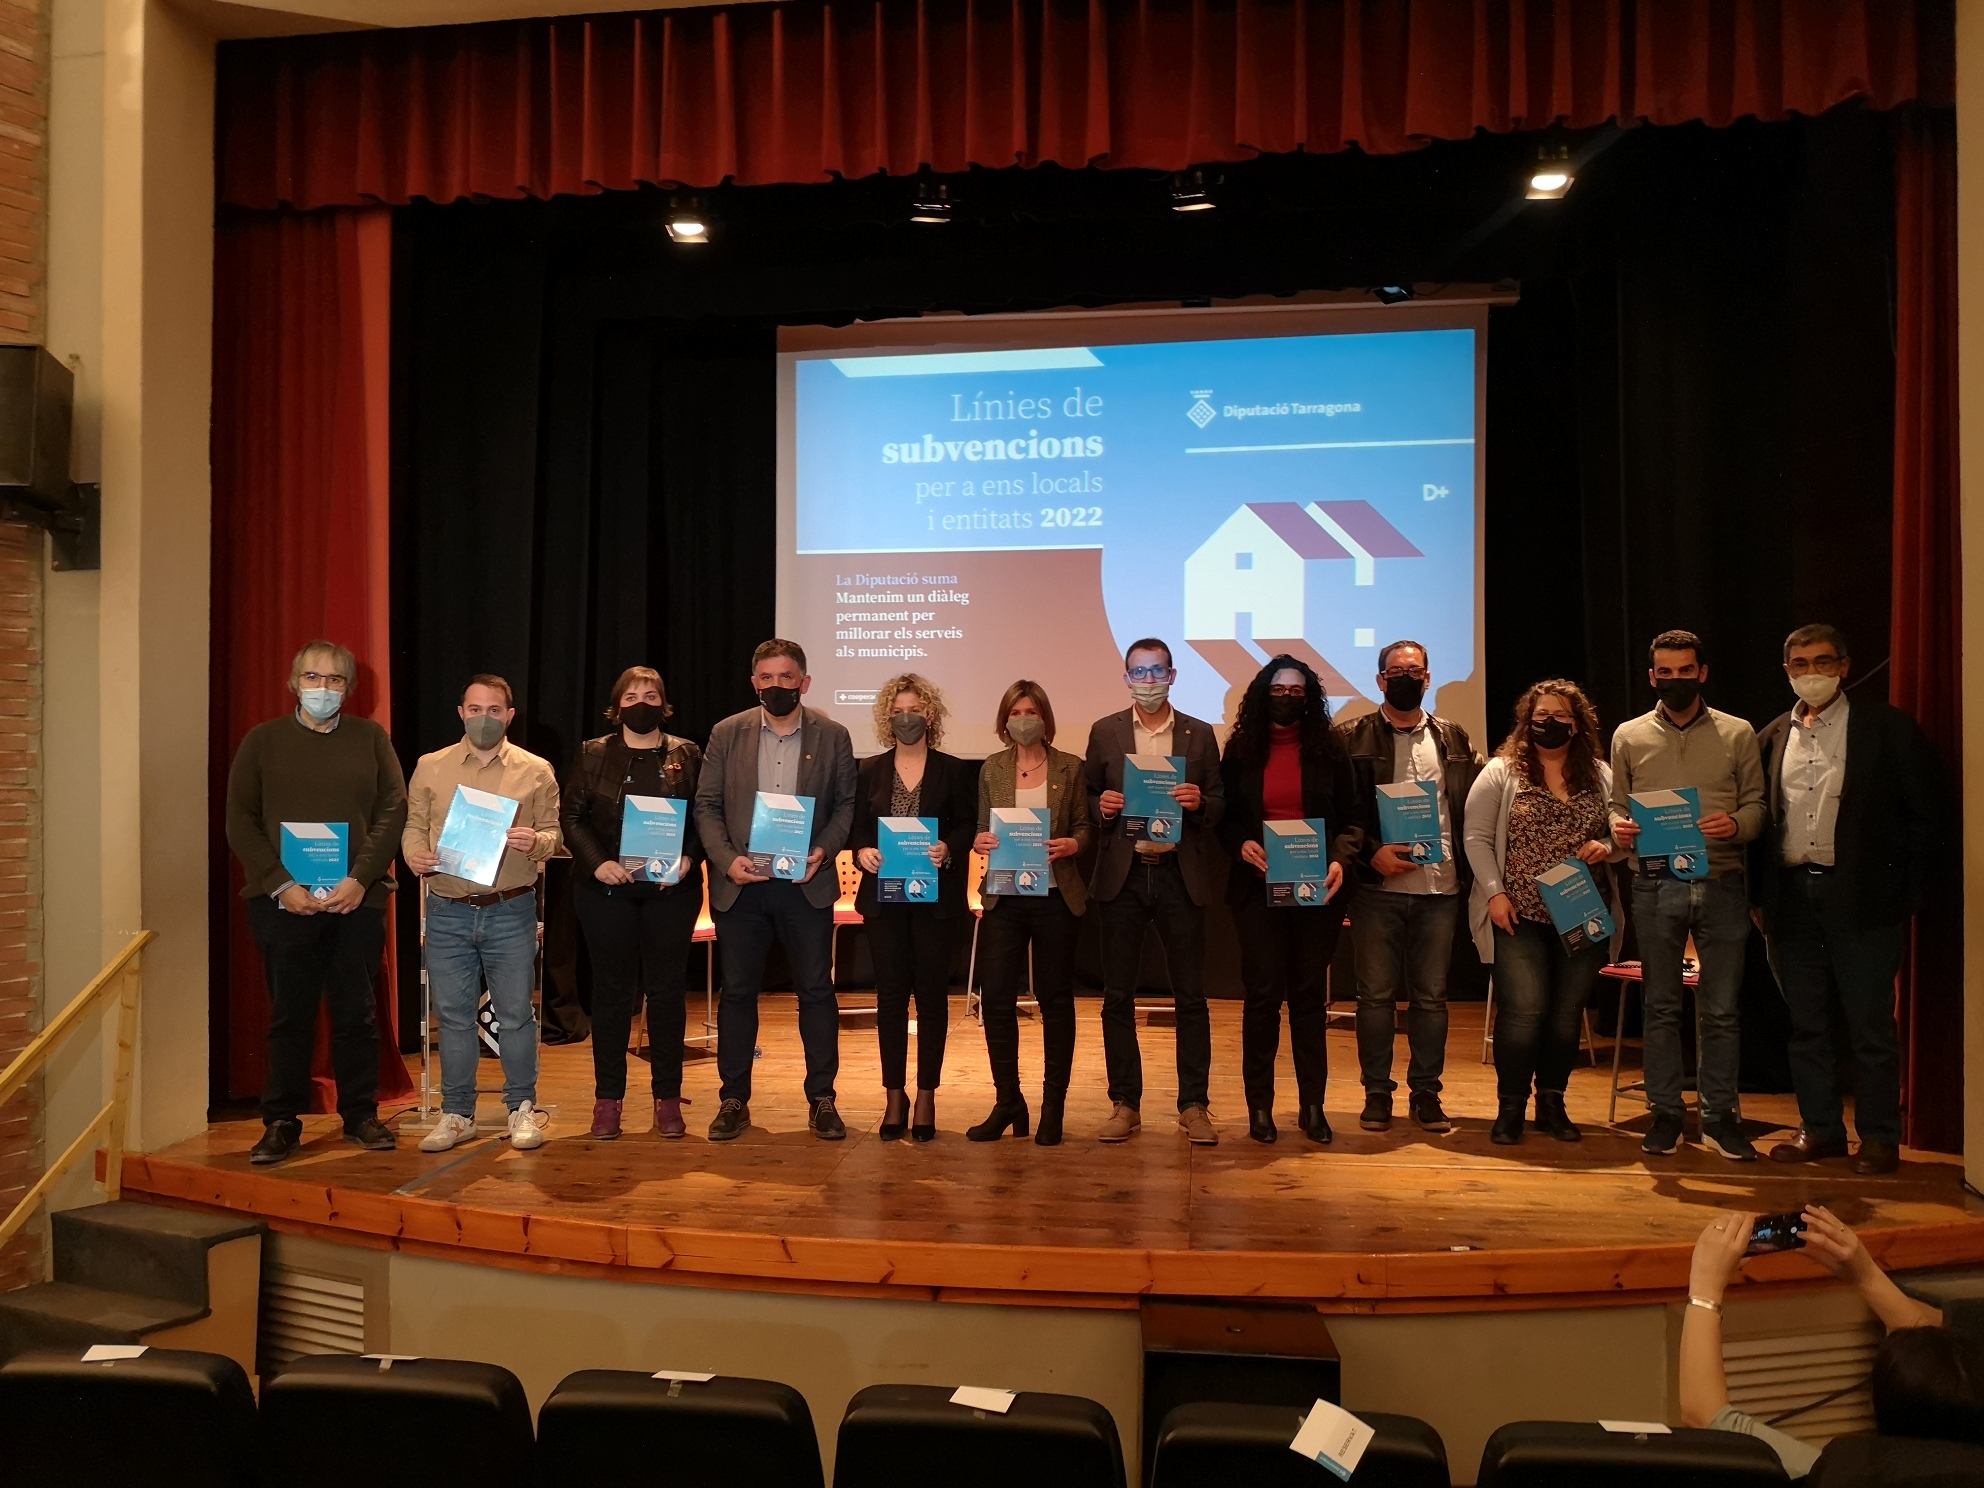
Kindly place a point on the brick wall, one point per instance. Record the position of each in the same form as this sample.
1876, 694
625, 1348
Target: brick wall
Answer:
23, 257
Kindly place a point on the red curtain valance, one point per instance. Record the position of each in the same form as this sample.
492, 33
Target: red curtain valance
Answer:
813, 89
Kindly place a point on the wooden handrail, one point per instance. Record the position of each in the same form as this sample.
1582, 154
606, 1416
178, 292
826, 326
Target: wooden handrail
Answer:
124, 972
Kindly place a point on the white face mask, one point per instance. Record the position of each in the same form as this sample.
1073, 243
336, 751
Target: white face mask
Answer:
1815, 689
1150, 696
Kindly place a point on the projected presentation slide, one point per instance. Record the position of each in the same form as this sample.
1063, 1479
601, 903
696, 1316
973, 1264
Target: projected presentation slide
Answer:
980, 516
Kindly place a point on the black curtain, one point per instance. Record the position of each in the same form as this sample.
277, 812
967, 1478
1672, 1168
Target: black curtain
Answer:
1689, 406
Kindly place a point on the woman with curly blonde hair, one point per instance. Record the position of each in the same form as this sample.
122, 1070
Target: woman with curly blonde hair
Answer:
1540, 801
912, 940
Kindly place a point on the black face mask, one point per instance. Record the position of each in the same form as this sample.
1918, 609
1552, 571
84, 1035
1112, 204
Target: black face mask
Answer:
778, 701
1678, 693
1403, 693
641, 718
1550, 733
1286, 710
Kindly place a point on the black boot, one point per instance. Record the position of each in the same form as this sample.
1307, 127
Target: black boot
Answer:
1052, 1103
1316, 1126
1260, 1126
1507, 1130
1553, 1118
1010, 1111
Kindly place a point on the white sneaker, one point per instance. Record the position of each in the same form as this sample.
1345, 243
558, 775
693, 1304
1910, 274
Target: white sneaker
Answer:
449, 1130
527, 1125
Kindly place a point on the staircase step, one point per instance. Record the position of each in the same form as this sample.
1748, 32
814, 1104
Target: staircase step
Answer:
146, 1250
60, 1314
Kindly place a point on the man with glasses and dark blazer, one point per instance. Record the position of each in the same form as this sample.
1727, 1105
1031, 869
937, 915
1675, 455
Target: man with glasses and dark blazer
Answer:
782, 747
1140, 884
1854, 792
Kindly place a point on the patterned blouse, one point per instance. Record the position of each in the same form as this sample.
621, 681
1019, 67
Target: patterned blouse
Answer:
1543, 831
905, 800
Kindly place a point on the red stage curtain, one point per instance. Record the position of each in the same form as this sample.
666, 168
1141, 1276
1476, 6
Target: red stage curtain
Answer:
807, 91
301, 327
1926, 629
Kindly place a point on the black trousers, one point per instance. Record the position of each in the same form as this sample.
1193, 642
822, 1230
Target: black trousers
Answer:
322, 958
762, 913
912, 950
1285, 955
1012, 926
1821, 957
638, 938
1155, 894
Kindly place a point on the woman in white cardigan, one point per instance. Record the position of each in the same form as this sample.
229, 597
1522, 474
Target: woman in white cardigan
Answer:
1540, 801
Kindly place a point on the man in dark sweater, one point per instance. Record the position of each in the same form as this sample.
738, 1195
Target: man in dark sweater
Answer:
315, 769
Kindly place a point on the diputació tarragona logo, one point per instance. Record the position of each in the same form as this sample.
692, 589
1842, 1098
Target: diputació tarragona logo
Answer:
1201, 412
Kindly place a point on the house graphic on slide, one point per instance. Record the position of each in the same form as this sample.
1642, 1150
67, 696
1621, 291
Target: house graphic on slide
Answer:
1276, 573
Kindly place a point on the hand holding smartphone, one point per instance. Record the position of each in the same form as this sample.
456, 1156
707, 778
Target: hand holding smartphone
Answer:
1777, 1232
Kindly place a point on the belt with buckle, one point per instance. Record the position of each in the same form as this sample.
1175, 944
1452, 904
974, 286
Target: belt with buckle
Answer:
483, 901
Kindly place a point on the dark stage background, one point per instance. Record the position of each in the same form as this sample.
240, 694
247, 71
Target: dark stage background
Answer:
1689, 416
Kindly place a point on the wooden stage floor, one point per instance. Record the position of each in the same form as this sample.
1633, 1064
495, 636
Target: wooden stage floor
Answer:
1392, 1221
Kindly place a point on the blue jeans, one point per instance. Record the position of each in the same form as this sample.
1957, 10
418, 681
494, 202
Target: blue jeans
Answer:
467, 946
1404, 943
1540, 993
1717, 911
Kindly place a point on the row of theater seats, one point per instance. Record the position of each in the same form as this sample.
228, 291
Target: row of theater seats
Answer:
168, 1419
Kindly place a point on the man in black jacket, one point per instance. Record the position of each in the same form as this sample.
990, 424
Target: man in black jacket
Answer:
1402, 919
1853, 788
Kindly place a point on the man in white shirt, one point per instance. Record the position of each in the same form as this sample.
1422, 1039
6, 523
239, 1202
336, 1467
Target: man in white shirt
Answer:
1853, 799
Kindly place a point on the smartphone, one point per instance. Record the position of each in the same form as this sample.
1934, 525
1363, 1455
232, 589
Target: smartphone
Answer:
1777, 1232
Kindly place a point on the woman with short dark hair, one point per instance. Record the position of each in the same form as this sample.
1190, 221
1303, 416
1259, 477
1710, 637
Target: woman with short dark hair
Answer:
637, 928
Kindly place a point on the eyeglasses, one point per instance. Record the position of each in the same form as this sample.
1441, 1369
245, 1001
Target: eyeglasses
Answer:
1398, 674
1151, 674
1288, 692
335, 680
1827, 666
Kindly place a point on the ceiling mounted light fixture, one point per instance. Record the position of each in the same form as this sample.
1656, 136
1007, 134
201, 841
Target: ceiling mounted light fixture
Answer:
1189, 194
1553, 174
933, 204
687, 222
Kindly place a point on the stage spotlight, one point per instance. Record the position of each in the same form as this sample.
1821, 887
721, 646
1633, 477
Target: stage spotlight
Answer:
1552, 175
687, 222
1189, 194
933, 204
1392, 294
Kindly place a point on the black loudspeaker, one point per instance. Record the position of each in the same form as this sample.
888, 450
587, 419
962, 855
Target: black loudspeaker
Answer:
36, 392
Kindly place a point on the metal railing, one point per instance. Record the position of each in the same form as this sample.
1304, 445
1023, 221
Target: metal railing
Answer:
123, 977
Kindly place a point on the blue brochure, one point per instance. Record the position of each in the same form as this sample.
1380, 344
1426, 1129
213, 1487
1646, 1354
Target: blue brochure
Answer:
317, 855
1018, 865
1150, 812
1576, 907
908, 876
1409, 817
781, 835
651, 829
1671, 844
1298, 861
471, 845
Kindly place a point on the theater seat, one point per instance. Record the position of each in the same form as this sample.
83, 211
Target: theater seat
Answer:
1868, 1461
334, 1420
894, 1435
1204, 1443
611, 1426
166, 1419
1577, 1454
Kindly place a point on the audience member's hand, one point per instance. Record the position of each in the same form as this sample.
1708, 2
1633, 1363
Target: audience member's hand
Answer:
1834, 1245
1719, 1255
870, 859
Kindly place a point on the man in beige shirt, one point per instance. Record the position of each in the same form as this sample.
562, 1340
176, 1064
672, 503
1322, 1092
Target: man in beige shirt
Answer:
483, 930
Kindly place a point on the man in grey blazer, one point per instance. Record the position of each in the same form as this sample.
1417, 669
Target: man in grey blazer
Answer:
782, 747
1141, 883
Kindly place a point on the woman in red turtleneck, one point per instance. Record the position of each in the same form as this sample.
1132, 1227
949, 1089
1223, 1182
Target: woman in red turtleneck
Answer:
1284, 763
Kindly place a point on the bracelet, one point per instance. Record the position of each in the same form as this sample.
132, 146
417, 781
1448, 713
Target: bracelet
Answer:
1704, 1302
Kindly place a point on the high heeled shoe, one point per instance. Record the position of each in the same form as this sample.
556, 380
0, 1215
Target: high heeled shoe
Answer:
895, 1117
1052, 1104
925, 1128
1008, 1112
